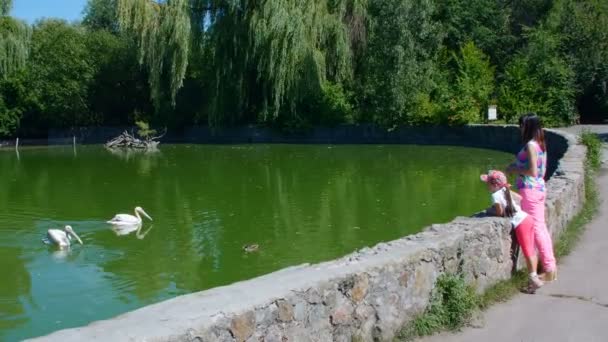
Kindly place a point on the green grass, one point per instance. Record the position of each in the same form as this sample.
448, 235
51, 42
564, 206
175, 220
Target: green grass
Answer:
572, 234
594, 150
503, 291
453, 303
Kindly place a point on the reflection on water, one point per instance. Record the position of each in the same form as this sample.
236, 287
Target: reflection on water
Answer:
126, 154
15, 289
299, 203
65, 254
128, 229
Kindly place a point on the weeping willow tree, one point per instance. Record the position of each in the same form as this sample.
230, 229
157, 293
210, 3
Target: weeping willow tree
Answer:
163, 35
265, 54
14, 41
5, 7
299, 44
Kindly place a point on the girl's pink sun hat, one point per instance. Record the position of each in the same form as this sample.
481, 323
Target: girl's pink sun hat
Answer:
495, 177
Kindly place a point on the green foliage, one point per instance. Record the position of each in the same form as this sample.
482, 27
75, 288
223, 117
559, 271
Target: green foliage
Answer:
9, 119
582, 26
73, 77
297, 46
576, 226
5, 7
58, 77
598, 93
295, 64
594, 149
144, 130
332, 105
11, 109
566, 57
554, 77
163, 35
484, 23
266, 57
400, 62
539, 79
503, 290
517, 93
101, 15
119, 85
15, 38
451, 306
528, 13
473, 86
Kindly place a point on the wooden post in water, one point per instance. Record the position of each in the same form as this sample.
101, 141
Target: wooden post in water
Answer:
17, 148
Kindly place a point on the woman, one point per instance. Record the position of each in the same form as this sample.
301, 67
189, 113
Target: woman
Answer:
530, 167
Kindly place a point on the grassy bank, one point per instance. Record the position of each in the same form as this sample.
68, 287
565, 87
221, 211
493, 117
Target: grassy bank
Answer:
571, 235
453, 303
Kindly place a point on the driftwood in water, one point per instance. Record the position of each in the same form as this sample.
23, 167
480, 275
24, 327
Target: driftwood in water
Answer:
126, 140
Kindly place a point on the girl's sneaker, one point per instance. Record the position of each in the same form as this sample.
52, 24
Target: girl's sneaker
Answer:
534, 283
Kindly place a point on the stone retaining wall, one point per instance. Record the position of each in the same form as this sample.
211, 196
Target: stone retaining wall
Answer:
365, 296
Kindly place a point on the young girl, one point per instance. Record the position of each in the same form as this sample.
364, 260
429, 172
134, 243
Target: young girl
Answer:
504, 206
530, 167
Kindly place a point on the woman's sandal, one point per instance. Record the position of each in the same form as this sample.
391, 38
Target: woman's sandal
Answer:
549, 276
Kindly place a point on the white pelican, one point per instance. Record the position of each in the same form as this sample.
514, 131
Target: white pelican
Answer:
62, 238
129, 220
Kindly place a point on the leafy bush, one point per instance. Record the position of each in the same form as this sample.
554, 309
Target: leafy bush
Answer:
58, 76
400, 63
582, 26
144, 130
332, 105
594, 149
9, 119
473, 86
539, 80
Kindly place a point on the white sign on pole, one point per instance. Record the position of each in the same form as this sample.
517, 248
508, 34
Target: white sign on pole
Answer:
492, 113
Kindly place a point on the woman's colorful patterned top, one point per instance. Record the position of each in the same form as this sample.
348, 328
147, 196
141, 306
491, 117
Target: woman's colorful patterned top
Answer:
522, 162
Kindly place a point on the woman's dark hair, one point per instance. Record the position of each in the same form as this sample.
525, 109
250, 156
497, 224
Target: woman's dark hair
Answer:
510, 209
532, 129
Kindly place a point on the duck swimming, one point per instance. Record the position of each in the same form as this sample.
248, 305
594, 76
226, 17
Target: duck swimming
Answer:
251, 248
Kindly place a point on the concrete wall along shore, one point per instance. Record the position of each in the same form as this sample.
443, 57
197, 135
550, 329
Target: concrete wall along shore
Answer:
367, 295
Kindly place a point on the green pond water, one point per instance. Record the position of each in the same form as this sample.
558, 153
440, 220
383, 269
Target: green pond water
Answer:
299, 203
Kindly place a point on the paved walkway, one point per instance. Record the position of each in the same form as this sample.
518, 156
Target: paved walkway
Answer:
600, 130
574, 308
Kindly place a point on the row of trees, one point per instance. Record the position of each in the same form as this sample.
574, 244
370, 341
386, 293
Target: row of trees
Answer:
299, 63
